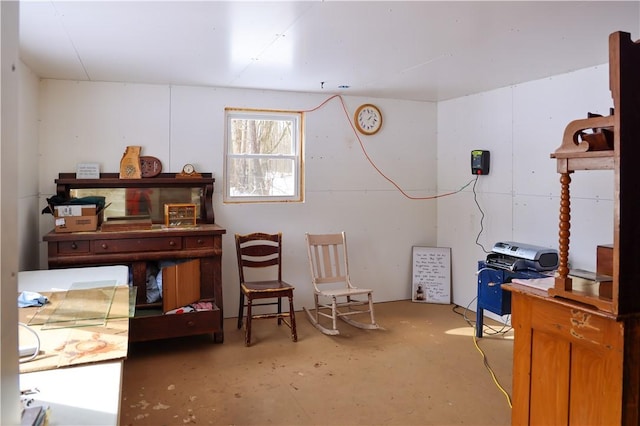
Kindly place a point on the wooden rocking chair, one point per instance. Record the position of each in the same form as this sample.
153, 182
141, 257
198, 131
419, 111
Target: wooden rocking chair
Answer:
334, 295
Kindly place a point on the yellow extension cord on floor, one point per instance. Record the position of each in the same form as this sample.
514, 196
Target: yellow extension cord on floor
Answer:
488, 367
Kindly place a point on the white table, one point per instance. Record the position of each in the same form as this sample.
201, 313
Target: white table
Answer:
81, 395
61, 279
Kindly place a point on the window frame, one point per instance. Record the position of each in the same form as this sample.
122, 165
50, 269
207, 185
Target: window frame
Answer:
297, 119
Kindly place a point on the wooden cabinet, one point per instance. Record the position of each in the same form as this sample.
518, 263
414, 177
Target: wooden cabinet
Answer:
140, 248
572, 364
577, 347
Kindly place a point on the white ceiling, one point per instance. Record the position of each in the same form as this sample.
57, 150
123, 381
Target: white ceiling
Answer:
416, 50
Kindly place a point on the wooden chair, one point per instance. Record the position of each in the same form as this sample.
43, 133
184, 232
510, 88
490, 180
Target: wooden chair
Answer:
260, 254
334, 295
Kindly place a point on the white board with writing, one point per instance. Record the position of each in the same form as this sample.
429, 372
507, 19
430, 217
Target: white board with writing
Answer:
431, 275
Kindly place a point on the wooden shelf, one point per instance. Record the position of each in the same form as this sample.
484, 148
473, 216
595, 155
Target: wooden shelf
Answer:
590, 160
111, 180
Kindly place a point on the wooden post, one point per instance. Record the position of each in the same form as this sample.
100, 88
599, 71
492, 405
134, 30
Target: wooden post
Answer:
563, 282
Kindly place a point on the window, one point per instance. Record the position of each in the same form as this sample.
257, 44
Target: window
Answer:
263, 156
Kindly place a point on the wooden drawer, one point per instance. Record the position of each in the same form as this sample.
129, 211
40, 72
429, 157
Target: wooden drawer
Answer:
167, 326
137, 245
73, 247
202, 241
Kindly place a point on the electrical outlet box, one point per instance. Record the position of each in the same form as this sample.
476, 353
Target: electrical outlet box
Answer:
480, 160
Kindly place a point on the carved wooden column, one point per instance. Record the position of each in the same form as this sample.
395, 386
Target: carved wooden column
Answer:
562, 278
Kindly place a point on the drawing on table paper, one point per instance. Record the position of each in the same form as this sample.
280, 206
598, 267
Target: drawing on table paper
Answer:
97, 347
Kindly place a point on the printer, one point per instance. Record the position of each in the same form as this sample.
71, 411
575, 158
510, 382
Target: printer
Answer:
514, 256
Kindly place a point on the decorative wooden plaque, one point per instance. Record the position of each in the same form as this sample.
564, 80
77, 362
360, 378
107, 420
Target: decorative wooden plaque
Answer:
130, 163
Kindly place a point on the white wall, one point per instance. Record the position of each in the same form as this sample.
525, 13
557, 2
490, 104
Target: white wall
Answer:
521, 126
84, 121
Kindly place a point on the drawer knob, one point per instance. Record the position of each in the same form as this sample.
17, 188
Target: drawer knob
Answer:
172, 243
74, 245
104, 246
200, 241
191, 324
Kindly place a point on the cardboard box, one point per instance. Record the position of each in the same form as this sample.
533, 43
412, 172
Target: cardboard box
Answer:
76, 218
74, 210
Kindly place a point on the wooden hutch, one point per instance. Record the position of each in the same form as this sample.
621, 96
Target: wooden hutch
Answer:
201, 243
577, 346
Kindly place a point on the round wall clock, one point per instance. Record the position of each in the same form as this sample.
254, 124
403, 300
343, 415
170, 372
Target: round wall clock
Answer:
368, 119
150, 166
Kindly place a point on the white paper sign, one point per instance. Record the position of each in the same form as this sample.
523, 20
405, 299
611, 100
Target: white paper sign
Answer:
87, 171
431, 275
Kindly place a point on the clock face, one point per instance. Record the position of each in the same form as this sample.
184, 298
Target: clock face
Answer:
368, 119
188, 169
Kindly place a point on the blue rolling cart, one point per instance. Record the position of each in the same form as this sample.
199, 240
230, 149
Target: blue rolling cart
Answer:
491, 296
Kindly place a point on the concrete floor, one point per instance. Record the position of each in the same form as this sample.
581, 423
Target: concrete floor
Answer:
423, 369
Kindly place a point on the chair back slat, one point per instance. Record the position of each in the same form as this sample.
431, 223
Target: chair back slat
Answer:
262, 250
